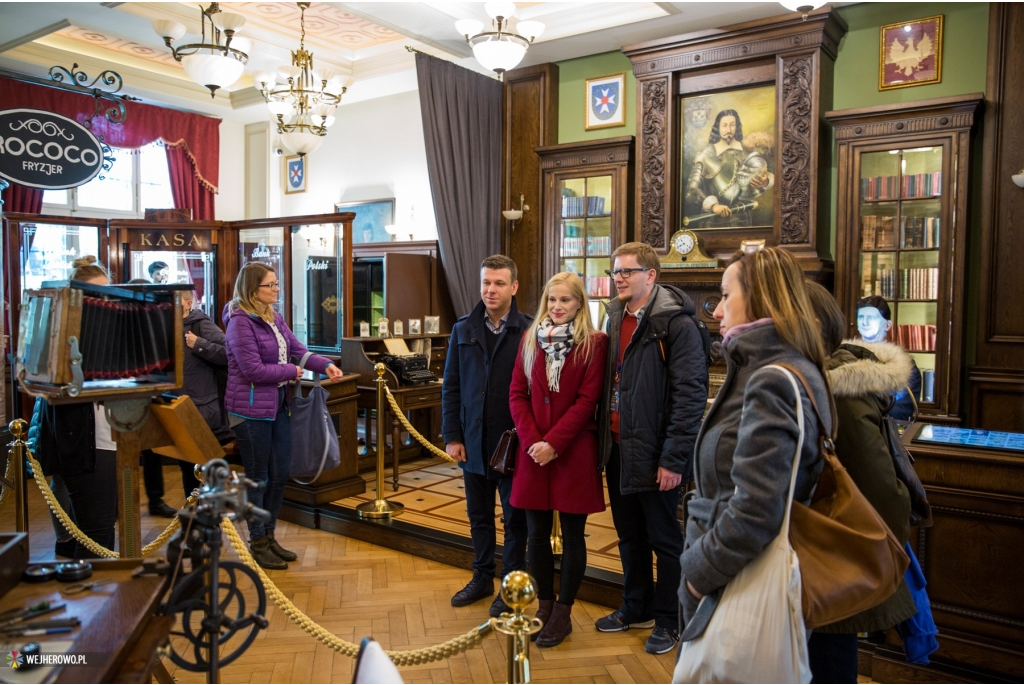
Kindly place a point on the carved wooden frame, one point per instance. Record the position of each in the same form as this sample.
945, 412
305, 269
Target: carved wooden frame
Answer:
802, 53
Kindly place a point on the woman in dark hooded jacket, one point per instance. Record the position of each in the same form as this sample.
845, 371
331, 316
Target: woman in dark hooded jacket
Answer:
864, 378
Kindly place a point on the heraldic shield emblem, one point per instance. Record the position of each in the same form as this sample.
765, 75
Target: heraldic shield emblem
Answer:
605, 102
295, 174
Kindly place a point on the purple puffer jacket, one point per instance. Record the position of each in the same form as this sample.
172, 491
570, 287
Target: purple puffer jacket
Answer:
253, 368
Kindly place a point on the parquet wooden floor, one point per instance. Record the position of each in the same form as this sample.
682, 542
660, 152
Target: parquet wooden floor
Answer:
355, 589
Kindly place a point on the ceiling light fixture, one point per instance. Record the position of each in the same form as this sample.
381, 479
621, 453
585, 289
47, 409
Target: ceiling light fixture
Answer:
302, 98
802, 6
499, 50
216, 64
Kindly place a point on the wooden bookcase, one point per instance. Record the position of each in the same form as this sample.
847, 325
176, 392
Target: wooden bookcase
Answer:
587, 211
901, 230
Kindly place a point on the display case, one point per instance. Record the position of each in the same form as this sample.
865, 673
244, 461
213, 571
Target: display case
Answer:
588, 208
901, 230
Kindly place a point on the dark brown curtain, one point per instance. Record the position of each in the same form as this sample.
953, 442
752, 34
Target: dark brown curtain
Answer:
462, 128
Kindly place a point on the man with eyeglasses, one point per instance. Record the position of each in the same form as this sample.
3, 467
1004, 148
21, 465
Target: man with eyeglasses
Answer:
655, 393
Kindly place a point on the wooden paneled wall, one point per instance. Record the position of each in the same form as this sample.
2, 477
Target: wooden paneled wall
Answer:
531, 120
997, 377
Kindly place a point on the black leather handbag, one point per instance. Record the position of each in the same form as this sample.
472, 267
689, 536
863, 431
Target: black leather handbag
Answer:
504, 458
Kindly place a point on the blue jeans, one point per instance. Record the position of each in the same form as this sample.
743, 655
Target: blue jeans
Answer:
266, 451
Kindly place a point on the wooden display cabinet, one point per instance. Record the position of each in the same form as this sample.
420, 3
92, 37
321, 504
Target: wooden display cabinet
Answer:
901, 230
587, 210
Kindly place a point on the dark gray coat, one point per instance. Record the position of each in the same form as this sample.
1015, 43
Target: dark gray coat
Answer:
662, 393
744, 460
199, 378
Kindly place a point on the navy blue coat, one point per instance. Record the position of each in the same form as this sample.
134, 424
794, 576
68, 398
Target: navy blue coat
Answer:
475, 395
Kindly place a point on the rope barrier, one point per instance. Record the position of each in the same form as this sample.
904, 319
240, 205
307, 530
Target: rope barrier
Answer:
425, 655
412, 431
9, 477
76, 532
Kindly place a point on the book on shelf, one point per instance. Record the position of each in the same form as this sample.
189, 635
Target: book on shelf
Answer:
877, 232
599, 245
893, 187
920, 231
882, 284
917, 337
588, 205
922, 185
599, 286
919, 284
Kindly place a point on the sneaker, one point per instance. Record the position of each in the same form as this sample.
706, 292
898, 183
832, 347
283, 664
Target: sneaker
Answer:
616, 622
662, 640
477, 589
498, 607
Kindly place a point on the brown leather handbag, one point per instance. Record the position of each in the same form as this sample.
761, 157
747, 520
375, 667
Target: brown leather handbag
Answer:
849, 559
504, 458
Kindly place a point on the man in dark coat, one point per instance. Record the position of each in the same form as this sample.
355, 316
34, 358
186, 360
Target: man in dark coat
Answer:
656, 390
475, 413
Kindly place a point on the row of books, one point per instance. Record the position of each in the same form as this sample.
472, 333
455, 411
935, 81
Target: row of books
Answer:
884, 284
588, 205
920, 284
917, 337
895, 187
877, 232
920, 231
599, 286
594, 245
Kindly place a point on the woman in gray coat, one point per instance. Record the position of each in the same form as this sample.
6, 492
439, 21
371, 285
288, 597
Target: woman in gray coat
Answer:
746, 447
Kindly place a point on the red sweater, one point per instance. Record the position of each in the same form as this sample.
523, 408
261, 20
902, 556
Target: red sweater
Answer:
626, 331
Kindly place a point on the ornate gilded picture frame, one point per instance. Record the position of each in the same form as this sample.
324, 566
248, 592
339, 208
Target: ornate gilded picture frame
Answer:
910, 53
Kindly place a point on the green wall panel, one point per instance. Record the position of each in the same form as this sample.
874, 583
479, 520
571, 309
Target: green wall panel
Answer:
572, 98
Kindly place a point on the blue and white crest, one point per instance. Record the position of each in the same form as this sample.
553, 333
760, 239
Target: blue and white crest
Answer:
296, 174
605, 100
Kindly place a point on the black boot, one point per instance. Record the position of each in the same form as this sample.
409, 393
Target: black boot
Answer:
478, 588
280, 551
264, 556
157, 507
544, 614
558, 626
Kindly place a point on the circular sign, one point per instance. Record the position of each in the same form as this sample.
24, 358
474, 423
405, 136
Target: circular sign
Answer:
46, 150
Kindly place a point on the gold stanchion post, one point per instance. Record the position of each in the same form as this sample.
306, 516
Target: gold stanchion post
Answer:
556, 535
380, 508
19, 429
518, 590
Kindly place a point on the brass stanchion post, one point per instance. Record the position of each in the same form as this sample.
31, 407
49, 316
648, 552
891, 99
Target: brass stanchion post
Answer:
556, 535
19, 429
518, 590
380, 508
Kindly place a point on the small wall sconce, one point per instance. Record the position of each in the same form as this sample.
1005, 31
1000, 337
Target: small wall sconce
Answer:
1018, 178
515, 215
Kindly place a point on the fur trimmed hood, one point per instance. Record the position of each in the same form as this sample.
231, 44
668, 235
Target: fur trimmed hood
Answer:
862, 368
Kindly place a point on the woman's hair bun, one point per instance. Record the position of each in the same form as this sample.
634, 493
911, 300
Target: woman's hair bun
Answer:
88, 260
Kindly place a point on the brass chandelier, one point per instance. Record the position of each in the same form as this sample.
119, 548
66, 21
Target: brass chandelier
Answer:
302, 98
215, 64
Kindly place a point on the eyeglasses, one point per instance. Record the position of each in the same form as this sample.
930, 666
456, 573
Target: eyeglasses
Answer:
625, 273
275, 284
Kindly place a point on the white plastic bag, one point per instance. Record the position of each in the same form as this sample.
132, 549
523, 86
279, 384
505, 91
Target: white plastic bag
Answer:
756, 634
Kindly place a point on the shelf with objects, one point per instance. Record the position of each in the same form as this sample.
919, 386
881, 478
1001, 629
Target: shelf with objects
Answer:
587, 212
901, 230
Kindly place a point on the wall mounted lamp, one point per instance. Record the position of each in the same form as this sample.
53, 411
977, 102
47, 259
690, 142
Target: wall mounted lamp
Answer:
1018, 178
515, 215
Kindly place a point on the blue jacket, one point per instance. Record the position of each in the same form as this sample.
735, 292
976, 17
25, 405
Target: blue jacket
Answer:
475, 395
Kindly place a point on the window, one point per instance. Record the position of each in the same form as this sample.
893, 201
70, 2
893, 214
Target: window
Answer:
139, 180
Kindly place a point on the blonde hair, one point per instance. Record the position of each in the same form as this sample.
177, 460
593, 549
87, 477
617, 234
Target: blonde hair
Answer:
247, 285
773, 284
87, 268
582, 331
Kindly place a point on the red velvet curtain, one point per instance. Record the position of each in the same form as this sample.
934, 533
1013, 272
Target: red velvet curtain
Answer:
23, 199
188, 191
196, 135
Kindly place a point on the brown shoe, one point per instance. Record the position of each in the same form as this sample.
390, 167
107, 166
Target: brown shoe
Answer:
280, 551
557, 628
264, 556
543, 613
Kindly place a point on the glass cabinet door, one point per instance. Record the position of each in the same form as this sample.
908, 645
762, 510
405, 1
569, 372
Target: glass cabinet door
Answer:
47, 251
901, 234
263, 245
317, 289
585, 236
197, 268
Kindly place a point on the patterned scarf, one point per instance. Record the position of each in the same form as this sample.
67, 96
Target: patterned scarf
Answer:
555, 341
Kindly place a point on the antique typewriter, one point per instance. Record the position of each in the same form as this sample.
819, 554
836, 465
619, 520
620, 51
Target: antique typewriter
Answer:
410, 368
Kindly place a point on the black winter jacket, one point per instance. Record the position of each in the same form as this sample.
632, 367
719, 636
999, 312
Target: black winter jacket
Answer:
661, 398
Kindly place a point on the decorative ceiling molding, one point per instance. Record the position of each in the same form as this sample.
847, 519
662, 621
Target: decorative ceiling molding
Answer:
34, 35
324, 23
101, 39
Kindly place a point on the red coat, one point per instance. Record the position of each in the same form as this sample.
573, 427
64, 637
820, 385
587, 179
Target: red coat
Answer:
570, 483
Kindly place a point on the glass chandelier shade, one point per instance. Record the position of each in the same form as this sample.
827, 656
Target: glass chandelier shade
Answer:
301, 98
215, 62
499, 50
803, 6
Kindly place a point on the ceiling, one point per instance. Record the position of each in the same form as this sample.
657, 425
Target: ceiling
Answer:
366, 40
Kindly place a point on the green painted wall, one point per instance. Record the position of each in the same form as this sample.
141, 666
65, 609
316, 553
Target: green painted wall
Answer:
572, 96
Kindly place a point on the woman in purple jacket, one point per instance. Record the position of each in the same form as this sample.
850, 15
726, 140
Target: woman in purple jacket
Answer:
259, 345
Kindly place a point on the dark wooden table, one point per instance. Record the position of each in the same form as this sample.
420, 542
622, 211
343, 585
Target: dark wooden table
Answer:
119, 633
408, 398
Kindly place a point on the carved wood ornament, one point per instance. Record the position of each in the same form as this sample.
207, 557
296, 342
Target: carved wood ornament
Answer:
798, 57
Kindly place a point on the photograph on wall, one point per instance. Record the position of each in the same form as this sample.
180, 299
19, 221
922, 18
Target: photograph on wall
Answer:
371, 218
295, 174
728, 159
910, 53
606, 106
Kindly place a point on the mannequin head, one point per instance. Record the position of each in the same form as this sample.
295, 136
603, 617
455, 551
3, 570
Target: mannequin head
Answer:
874, 319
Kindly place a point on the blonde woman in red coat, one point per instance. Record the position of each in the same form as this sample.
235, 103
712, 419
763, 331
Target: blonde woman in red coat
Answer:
557, 382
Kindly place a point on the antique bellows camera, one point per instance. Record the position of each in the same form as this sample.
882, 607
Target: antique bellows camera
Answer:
410, 368
83, 342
